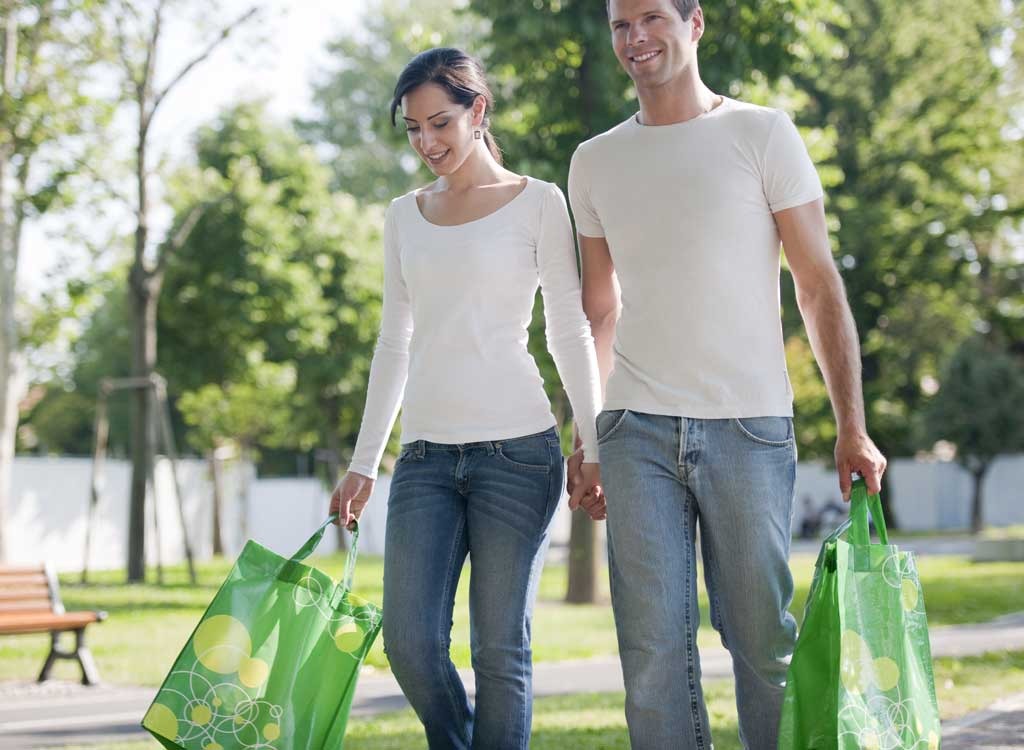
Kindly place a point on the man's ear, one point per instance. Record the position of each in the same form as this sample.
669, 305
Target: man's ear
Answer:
698, 24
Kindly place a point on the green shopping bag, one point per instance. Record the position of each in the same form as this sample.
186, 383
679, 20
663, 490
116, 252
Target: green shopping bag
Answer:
861, 675
273, 662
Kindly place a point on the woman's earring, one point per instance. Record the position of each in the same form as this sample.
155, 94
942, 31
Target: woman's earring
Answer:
477, 135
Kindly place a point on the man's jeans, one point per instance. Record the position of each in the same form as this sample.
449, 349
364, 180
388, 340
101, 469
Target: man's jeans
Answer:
662, 476
493, 501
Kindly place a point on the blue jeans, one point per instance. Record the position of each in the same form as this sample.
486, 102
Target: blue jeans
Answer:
734, 477
494, 501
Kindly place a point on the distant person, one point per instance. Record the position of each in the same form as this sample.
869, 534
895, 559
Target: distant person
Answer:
810, 520
680, 211
480, 472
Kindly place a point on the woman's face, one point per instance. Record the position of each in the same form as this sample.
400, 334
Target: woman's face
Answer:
440, 130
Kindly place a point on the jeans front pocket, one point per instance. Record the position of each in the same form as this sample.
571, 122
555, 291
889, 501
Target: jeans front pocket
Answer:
531, 453
775, 431
608, 422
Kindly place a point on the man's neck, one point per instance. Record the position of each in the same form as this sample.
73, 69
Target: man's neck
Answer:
677, 101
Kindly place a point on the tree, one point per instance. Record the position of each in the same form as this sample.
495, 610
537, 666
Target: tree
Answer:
370, 157
976, 409
138, 34
248, 414
559, 84
47, 55
921, 179
278, 270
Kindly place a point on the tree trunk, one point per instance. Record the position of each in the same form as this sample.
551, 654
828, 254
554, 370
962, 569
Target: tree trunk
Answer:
332, 409
11, 366
245, 454
218, 501
583, 560
143, 303
583, 543
977, 522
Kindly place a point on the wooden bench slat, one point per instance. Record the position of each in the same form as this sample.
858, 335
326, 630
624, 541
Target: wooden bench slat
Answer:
13, 593
23, 579
27, 622
20, 569
26, 605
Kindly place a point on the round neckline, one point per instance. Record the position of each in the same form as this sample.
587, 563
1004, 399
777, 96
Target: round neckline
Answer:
726, 102
526, 186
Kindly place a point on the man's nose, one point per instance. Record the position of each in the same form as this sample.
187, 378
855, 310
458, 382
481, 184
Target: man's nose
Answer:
636, 35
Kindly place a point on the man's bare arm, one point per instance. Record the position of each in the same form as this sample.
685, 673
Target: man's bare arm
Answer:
601, 300
833, 335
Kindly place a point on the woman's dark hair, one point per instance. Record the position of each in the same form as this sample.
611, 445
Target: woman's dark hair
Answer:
460, 75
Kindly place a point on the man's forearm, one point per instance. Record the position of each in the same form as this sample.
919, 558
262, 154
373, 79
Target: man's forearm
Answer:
833, 337
603, 329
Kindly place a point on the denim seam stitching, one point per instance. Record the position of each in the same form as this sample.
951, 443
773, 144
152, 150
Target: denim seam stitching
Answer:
691, 677
445, 653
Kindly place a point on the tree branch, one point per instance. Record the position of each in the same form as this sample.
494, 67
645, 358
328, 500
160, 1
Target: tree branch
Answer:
179, 236
221, 36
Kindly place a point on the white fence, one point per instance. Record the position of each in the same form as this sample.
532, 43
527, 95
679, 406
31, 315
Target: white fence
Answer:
47, 517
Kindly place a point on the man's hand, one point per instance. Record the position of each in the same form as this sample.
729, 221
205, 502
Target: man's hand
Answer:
855, 452
350, 497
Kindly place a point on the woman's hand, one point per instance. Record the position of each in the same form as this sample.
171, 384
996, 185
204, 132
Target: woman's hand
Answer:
350, 497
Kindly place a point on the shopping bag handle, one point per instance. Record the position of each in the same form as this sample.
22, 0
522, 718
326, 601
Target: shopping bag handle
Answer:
314, 541
860, 504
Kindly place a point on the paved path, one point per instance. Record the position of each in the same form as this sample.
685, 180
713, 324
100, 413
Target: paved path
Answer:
58, 714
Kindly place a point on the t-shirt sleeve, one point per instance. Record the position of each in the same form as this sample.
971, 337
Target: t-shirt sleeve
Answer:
587, 221
389, 368
789, 176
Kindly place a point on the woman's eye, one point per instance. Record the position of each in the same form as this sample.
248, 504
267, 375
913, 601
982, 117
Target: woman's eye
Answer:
411, 130
440, 125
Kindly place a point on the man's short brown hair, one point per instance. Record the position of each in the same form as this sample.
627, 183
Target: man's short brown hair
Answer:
686, 8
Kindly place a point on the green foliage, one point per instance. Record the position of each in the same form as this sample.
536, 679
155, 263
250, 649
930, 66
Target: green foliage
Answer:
278, 270
62, 421
922, 187
978, 403
257, 411
371, 158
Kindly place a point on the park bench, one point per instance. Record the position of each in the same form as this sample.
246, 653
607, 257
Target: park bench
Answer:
30, 603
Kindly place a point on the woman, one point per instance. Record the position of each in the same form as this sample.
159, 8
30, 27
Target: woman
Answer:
480, 471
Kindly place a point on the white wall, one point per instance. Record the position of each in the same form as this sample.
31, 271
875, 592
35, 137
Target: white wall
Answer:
50, 498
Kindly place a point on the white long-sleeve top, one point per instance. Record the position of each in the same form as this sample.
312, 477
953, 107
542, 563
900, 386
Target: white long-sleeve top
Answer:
457, 304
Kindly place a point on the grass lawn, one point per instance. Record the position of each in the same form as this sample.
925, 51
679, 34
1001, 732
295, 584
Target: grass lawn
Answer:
148, 624
596, 722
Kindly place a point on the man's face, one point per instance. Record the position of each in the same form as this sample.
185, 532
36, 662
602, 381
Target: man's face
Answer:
652, 41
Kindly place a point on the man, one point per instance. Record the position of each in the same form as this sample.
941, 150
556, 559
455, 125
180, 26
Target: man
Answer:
680, 212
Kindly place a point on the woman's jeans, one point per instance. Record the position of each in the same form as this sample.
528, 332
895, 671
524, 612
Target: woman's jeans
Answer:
494, 501
734, 477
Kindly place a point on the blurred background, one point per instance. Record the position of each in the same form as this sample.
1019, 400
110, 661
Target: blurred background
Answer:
191, 203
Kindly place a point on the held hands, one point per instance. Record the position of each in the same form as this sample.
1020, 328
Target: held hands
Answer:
584, 486
855, 452
350, 497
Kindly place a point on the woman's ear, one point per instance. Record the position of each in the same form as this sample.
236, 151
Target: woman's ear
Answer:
479, 109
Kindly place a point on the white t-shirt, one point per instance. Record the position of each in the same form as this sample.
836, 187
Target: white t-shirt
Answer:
457, 304
686, 210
